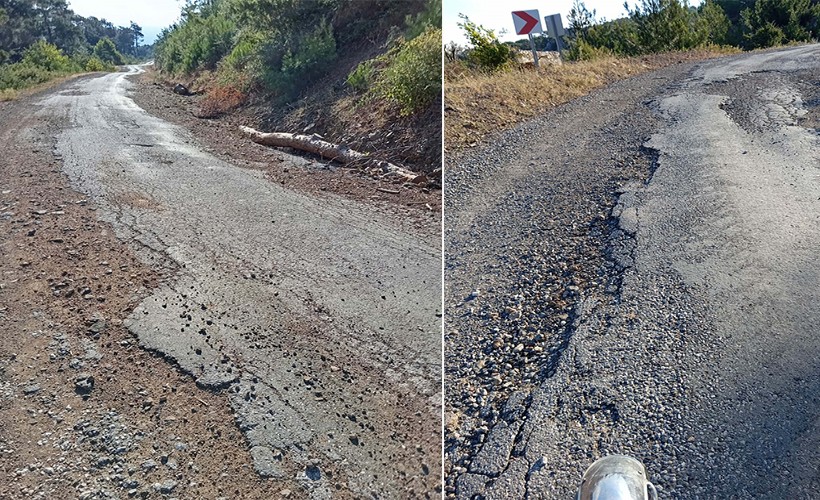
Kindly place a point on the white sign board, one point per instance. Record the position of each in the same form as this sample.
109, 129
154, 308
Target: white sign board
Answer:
527, 22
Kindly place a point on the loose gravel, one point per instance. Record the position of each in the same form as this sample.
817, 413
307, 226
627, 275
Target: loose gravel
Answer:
577, 324
528, 234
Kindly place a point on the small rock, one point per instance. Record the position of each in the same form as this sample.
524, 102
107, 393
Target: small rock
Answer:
166, 486
97, 327
130, 483
83, 383
31, 389
148, 465
181, 90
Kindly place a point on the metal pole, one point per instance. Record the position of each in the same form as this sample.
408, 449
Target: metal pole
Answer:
534, 52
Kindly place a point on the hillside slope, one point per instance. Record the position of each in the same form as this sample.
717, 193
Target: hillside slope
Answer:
364, 74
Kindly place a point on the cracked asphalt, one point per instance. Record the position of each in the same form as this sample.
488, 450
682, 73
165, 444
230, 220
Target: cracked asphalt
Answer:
636, 272
319, 317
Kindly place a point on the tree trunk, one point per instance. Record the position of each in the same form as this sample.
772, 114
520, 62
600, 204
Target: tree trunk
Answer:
342, 154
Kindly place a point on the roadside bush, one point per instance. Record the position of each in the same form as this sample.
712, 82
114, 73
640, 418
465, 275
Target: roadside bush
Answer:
363, 76
581, 50
198, 43
413, 78
289, 70
41, 62
429, 17
107, 52
95, 64
245, 53
487, 52
19, 76
46, 56
773, 22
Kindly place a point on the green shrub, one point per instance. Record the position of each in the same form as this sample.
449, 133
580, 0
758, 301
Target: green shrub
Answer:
773, 22
46, 56
20, 75
413, 78
429, 17
198, 43
581, 50
310, 57
486, 52
767, 35
107, 52
286, 71
95, 64
245, 52
361, 78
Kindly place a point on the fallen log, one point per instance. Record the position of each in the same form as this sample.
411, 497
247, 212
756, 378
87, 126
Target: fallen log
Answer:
337, 152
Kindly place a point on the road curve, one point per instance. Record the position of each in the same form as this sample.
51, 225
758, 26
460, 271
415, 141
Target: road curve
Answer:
696, 346
318, 317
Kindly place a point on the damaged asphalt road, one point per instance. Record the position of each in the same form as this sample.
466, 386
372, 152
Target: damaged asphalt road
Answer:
681, 327
318, 317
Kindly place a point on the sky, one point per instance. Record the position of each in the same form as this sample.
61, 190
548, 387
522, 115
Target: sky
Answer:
496, 15
151, 15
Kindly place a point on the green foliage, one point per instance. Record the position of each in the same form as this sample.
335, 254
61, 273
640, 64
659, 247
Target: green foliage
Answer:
665, 25
283, 46
413, 78
248, 45
582, 50
307, 59
712, 23
19, 76
47, 57
429, 17
363, 76
94, 63
45, 39
652, 26
41, 62
486, 52
107, 52
773, 22
617, 37
198, 43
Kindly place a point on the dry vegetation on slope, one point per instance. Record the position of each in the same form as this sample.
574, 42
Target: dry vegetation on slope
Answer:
478, 104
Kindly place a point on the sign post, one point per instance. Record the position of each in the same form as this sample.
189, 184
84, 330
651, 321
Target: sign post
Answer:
528, 22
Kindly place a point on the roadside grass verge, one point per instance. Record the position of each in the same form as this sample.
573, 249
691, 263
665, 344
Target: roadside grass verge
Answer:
14, 94
478, 104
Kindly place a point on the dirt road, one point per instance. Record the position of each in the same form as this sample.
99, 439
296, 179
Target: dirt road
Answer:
637, 272
310, 324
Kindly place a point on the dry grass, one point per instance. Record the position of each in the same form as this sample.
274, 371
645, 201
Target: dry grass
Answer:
12, 94
479, 104
221, 99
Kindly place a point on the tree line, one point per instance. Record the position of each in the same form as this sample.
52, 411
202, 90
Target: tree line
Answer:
665, 25
41, 39
24, 22
653, 26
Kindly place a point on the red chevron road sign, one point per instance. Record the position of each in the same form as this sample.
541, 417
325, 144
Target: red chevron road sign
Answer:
526, 22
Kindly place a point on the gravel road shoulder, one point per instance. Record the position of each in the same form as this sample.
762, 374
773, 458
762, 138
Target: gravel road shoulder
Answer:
85, 412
